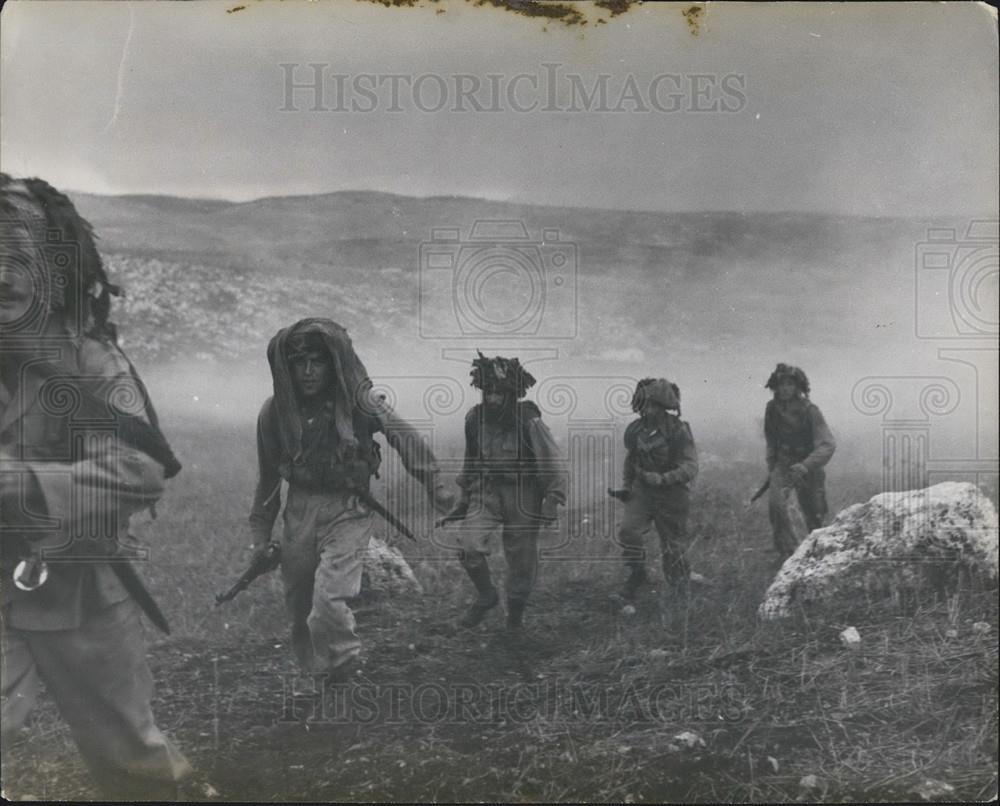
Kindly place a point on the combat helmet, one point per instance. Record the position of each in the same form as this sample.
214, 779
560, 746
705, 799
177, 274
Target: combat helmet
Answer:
787, 371
503, 374
657, 390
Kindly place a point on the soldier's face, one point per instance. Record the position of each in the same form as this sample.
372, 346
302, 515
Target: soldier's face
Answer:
652, 412
312, 374
786, 390
17, 288
494, 401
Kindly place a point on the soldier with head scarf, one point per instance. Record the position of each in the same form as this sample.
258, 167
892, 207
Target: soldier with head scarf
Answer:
80, 451
660, 462
512, 481
799, 444
317, 434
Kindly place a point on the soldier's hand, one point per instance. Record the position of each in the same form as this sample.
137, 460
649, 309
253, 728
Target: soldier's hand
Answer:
443, 500
269, 553
457, 514
549, 514
651, 479
799, 472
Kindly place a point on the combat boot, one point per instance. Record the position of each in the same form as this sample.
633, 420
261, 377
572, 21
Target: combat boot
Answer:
478, 609
636, 579
515, 614
345, 673
487, 599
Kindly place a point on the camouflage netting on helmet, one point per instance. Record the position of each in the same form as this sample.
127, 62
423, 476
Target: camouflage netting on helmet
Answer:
501, 374
657, 390
72, 278
788, 372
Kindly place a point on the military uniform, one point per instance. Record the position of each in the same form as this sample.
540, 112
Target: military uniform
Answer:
670, 453
326, 527
511, 481
796, 434
69, 484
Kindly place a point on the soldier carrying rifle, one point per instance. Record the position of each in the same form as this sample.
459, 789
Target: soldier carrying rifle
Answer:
799, 444
317, 433
660, 463
511, 481
81, 451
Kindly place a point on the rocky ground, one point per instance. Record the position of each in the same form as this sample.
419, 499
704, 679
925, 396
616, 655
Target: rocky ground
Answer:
678, 701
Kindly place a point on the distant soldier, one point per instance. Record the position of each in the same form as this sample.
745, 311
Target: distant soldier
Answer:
512, 481
317, 433
660, 462
80, 451
799, 444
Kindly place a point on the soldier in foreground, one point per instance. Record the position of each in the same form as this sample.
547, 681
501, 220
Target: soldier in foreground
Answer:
81, 451
511, 482
799, 444
317, 433
660, 462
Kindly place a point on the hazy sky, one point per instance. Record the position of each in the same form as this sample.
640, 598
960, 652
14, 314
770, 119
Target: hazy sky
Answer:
857, 108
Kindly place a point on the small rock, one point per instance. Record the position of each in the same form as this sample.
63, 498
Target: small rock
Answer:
810, 782
699, 579
951, 634
981, 628
658, 654
628, 610
210, 791
850, 637
931, 789
773, 762
689, 739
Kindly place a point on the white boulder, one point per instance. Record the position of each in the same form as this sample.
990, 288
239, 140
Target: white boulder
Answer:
387, 571
889, 543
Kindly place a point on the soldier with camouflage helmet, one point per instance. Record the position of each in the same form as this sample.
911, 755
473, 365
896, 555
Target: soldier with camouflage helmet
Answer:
80, 451
512, 481
660, 462
799, 444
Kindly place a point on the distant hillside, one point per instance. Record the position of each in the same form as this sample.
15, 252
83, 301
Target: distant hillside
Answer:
711, 295
308, 234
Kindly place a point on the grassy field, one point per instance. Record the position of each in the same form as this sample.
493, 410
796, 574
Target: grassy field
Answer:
588, 706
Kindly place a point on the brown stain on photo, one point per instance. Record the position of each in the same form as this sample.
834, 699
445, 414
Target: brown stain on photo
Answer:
692, 15
564, 12
568, 13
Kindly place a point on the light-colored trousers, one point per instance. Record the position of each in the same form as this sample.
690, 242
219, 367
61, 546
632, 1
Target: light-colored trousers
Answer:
795, 510
507, 513
100, 681
322, 559
667, 509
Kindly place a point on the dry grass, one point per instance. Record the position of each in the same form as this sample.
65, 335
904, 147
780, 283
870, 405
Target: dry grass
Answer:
584, 708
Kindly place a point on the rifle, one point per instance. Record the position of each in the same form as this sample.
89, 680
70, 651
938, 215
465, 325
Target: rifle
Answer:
373, 504
262, 562
763, 489
760, 491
